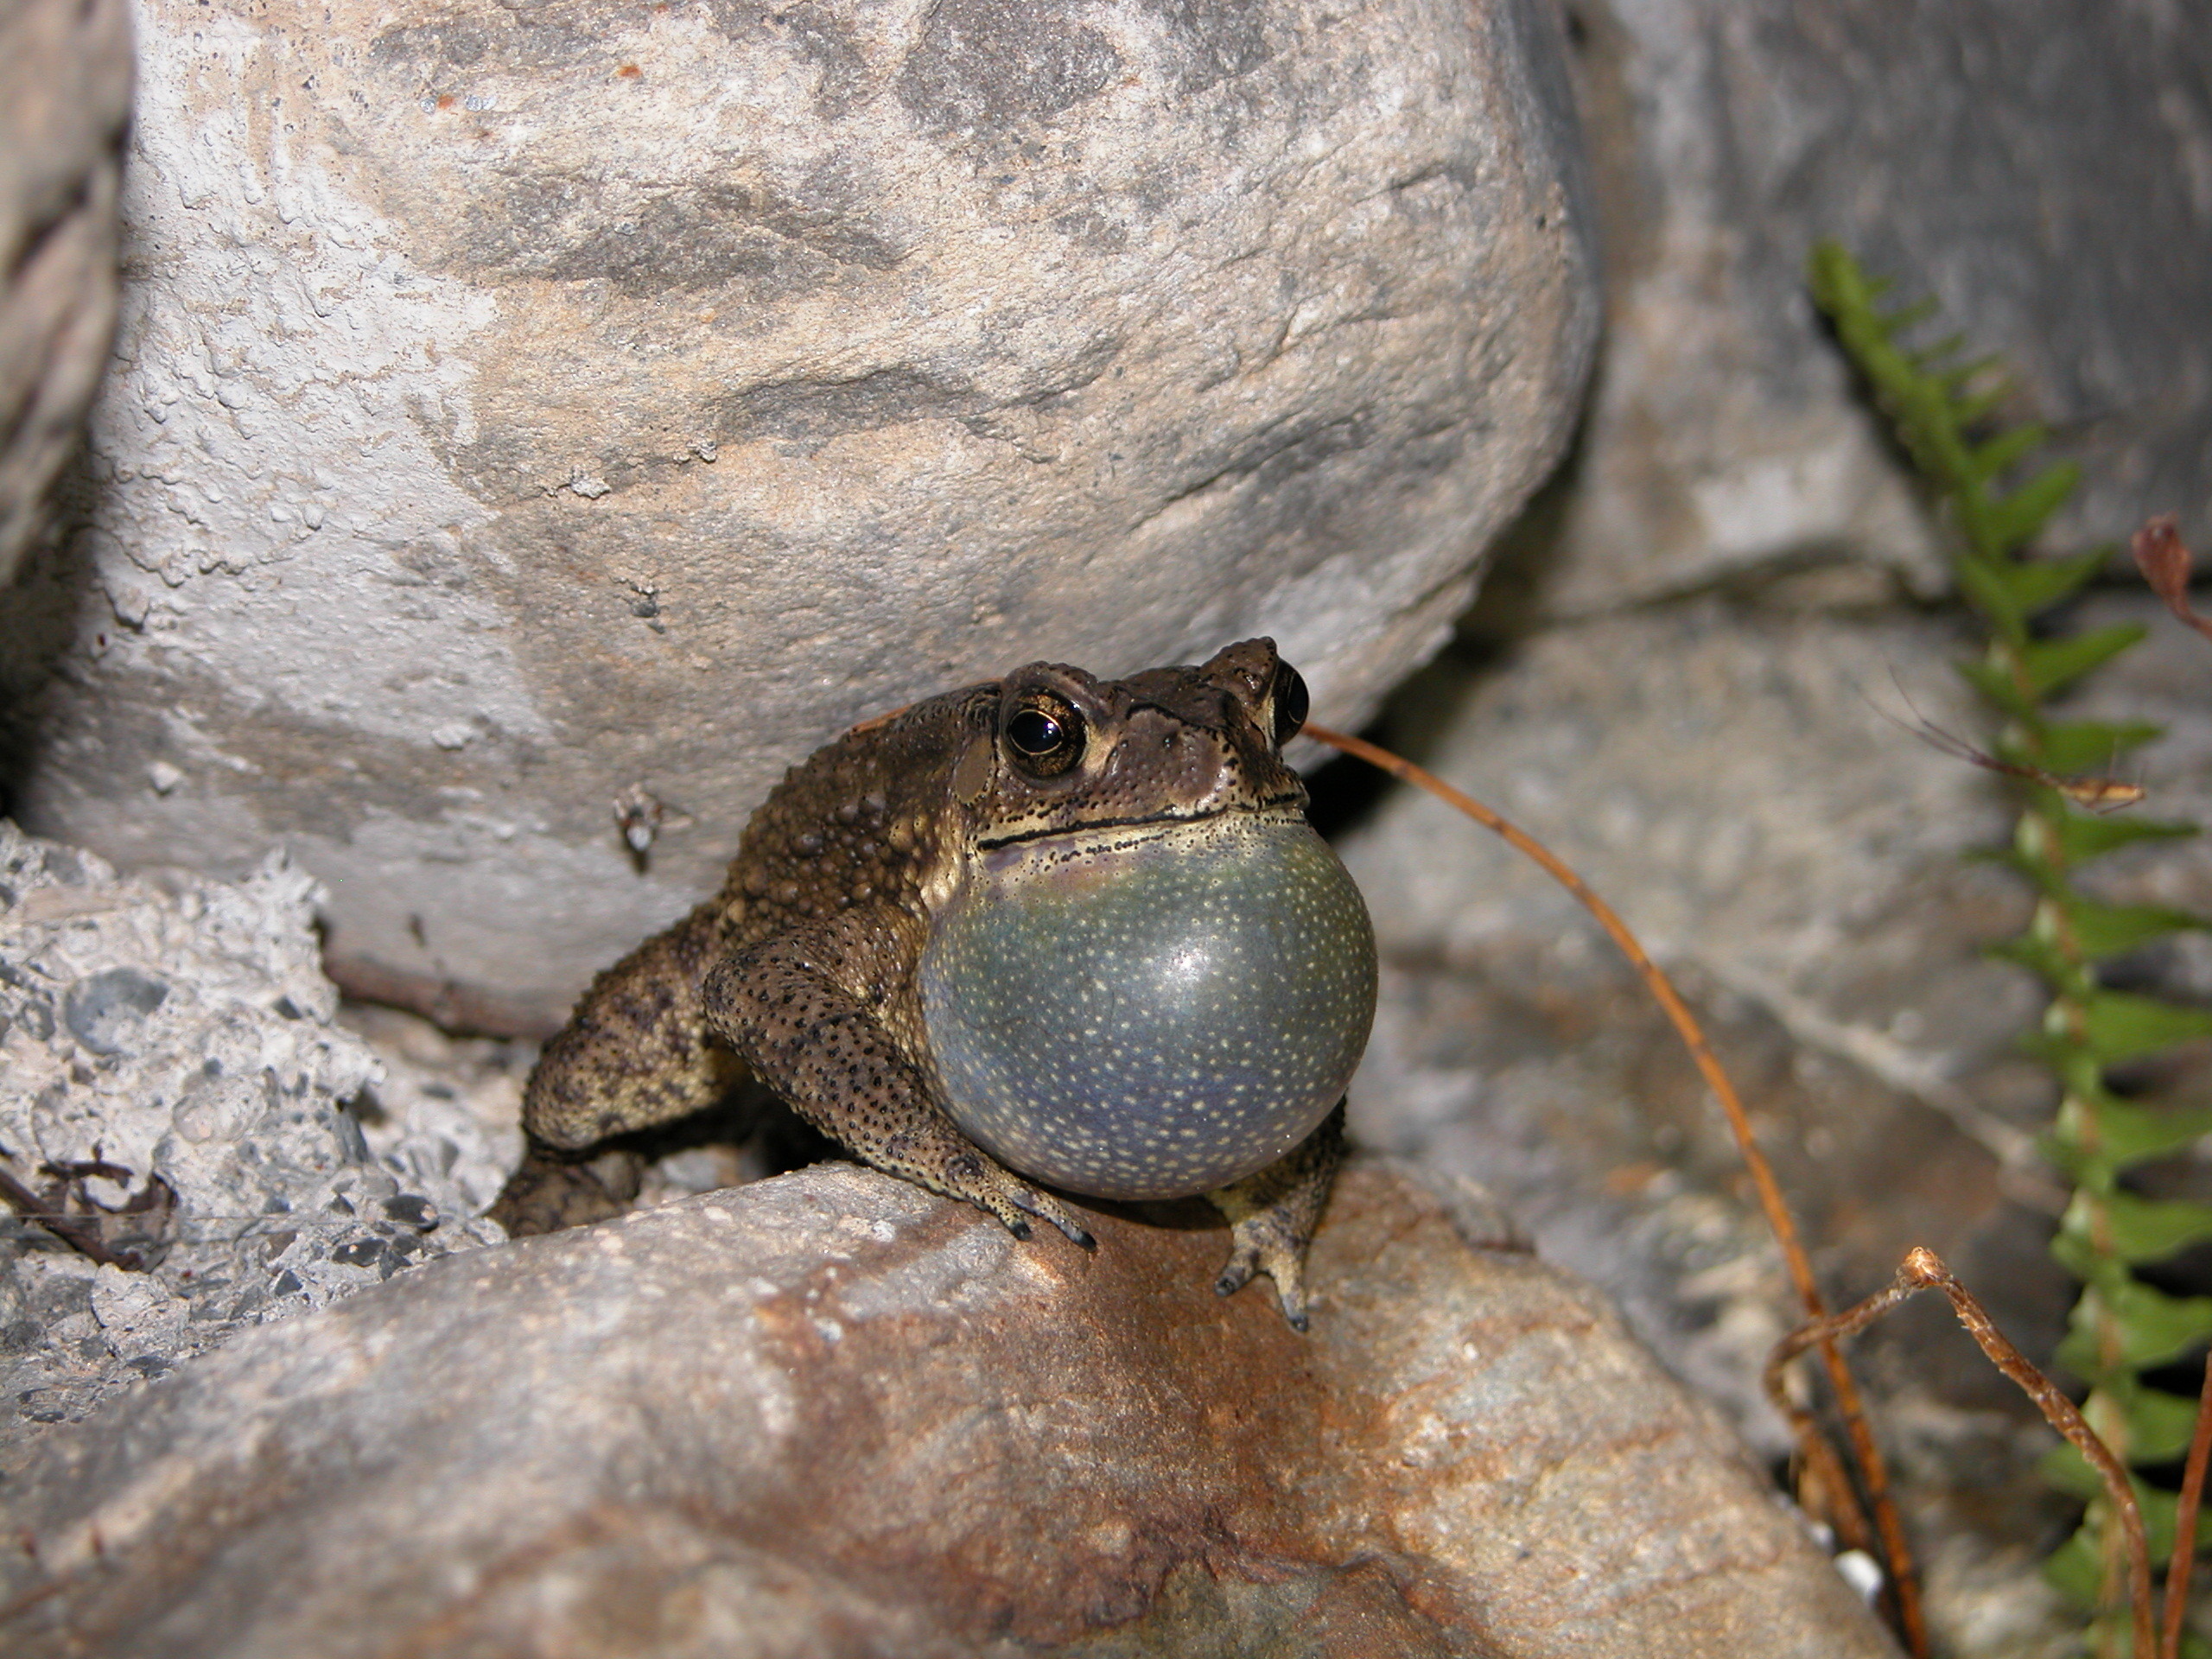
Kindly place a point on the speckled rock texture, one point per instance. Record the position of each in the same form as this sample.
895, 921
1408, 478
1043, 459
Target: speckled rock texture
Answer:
65, 95
831, 1414
520, 404
2041, 168
180, 1038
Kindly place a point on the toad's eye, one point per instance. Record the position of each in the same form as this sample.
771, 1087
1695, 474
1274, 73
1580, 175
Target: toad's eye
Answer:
1290, 702
1046, 734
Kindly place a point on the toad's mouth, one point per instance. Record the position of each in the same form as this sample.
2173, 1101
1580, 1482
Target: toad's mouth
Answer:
1288, 807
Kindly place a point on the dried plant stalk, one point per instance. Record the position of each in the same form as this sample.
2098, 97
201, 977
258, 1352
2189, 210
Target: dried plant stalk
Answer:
2192, 1494
1903, 1584
1922, 1269
80, 1230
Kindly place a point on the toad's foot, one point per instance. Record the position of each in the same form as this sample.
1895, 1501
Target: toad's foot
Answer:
551, 1191
965, 1173
1259, 1243
1272, 1217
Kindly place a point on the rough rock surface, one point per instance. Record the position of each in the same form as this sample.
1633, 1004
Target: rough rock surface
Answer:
2041, 168
65, 94
1716, 772
1720, 773
831, 1413
182, 1039
518, 404
1712, 770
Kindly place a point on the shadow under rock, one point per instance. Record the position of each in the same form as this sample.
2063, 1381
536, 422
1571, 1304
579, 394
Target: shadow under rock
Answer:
41, 617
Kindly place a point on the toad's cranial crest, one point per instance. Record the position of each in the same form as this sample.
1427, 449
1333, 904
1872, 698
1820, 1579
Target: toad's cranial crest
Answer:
1047, 931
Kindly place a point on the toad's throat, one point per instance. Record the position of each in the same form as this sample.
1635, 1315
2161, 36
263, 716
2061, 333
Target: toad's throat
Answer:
1149, 1011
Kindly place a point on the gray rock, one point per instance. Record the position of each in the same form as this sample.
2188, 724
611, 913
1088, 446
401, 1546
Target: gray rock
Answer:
2042, 168
175, 1046
105, 1010
1722, 774
65, 95
830, 1412
1715, 771
518, 407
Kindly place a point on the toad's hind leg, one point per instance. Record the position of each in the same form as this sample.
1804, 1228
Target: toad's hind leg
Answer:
637, 1052
1272, 1215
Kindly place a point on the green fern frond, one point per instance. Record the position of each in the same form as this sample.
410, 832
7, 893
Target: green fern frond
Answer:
1942, 411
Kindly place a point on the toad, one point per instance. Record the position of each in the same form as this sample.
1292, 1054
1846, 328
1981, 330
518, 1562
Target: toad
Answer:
1047, 931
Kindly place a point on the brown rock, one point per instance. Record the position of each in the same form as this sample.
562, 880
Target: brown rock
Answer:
830, 1414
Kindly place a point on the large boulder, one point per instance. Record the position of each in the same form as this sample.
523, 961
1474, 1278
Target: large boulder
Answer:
65, 95
831, 1414
518, 404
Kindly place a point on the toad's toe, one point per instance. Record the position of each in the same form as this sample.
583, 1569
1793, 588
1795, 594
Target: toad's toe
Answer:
1257, 1245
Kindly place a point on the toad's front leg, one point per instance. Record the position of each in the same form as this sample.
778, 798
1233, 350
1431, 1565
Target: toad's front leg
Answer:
1272, 1215
809, 1036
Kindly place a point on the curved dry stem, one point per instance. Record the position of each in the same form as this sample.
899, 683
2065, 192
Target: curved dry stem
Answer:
1922, 1269
2192, 1494
1904, 1585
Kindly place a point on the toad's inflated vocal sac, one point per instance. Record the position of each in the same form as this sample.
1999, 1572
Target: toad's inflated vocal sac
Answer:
1050, 930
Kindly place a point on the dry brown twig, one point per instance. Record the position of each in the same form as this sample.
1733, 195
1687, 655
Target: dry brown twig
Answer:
130, 1237
2162, 558
2192, 1494
1818, 1456
1922, 1269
